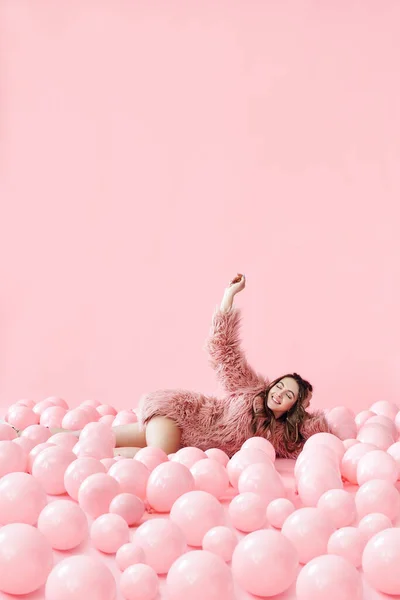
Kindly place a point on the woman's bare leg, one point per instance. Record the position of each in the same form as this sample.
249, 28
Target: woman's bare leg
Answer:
163, 433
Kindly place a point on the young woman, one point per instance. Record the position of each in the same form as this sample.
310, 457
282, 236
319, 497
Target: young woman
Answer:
251, 405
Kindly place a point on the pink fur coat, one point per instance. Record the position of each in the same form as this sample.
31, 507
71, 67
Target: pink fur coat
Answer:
225, 423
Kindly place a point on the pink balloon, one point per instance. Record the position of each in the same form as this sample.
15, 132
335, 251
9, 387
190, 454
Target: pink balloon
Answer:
21, 499
106, 409
129, 554
91, 412
53, 416
372, 524
40, 407
21, 417
326, 439
349, 543
394, 452
36, 450
339, 506
49, 468
351, 459
28, 403
80, 577
377, 464
342, 422
109, 532
139, 582
309, 531
57, 401
162, 542
387, 409
189, 456
397, 421
196, 513
7, 433
241, 460
25, 443
151, 457
198, 575
380, 561
64, 524
329, 577
260, 443
262, 479
96, 492
218, 455
253, 568
386, 422
25, 559
94, 448
36, 433
362, 417
125, 417
349, 443
94, 403
132, 476
278, 511
98, 431
12, 458
322, 460
75, 419
108, 462
380, 496
247, 512
315, 482
221, 541
129, 507
167, 483
65, 440
107, 420
375, 434
210, 476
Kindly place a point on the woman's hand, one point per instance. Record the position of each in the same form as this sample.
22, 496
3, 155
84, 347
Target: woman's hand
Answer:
236, 285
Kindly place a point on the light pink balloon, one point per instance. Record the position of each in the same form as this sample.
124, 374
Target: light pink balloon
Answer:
28, 403
221, 541
109, 532
25, 443
377, 465
349, 443
37, 433
380, 561
375, 434
247, 512
397, 421
139, 582
210, 476
151, 457
342, 422
372, 524
324, 458
96, 492
91, 412
339, 506
198, 575
262, 479
64, 524
261, 444
125, 417
278, 511
35, 452
362, 417
315, 482
309, 531
349, 543
106, 409
380, 496
49, 468
78, 577
351, 459
129, 554
12, 458
57, 401
26, 559
195, 513
107, 420
218, 455
385, 408
329, 577
167, 483
94, 448
7, 433
386, 422
243, 459
129, 507
162, 542
21, 499
394, 452
22, 417
108, 462
132, 476
326, 439
253, 568
41, 406
75, 419
94, 403
53, 416
65, 440
189, 456
98, 431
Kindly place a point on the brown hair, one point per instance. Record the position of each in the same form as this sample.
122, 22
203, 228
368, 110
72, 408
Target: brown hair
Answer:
292, 418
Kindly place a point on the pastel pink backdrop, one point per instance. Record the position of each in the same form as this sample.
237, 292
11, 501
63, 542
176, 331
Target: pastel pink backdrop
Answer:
150, 150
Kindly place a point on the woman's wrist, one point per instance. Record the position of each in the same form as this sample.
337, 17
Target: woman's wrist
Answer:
227, 301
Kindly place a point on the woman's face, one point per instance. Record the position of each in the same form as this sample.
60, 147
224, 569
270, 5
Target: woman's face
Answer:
283, 396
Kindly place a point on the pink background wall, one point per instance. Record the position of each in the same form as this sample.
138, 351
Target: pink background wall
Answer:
149, 150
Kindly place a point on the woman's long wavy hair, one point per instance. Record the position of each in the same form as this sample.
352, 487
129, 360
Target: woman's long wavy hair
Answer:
292, 418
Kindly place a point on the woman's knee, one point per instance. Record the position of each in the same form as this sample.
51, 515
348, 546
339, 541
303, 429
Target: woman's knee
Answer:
163, 433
